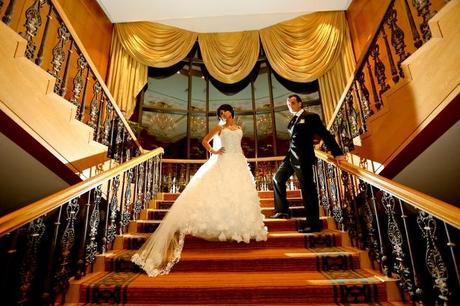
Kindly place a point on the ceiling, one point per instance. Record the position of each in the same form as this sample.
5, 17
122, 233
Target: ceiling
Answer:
216, 15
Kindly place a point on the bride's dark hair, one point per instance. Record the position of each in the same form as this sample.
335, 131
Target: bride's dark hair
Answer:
225, 107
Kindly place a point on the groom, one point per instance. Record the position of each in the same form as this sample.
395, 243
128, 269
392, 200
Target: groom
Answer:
299, 160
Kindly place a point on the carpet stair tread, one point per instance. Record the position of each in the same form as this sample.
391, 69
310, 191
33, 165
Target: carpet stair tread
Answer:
290, 259
232, 287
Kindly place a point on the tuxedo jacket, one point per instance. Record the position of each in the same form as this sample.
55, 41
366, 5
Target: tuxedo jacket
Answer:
303, 131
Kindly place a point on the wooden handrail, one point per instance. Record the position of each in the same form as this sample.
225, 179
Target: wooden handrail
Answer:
101, 81
359, 65
32, 211
437, 208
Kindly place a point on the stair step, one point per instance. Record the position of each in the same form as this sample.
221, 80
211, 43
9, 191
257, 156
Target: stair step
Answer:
267, 202
262, 195
234, 260
315, 288
149, 226
159, 214
325, 238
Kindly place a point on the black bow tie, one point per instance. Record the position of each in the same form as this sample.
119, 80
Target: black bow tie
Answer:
291, 123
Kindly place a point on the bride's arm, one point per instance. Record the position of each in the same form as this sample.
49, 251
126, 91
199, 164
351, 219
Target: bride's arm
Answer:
207, 139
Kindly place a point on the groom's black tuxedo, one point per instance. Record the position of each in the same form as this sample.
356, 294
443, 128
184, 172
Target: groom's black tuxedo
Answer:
299, 160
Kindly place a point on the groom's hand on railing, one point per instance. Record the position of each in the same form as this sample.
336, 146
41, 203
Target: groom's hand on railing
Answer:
340, 158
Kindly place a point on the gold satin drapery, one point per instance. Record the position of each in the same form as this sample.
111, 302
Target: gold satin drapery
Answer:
137, 45
155, 44
291, 48
126, 78
304, 48
333, 82
229, 57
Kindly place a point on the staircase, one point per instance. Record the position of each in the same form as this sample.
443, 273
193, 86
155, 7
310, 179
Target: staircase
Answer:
27, 97
421, 107
289, 268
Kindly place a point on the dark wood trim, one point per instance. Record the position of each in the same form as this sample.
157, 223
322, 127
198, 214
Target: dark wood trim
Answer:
24, 140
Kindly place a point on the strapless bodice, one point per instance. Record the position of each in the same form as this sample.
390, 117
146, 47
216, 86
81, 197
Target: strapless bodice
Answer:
231, 140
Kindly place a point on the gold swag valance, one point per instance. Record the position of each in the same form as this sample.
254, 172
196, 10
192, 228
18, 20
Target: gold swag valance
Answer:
303, 49
229, 57
154, 44
300, 50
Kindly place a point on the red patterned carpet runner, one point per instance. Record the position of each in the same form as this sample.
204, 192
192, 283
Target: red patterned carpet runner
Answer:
289, 268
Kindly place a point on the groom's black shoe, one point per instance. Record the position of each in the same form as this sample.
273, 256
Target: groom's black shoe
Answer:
309, 229
281, 216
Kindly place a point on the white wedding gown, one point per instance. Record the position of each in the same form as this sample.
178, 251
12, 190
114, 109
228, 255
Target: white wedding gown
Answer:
219, 203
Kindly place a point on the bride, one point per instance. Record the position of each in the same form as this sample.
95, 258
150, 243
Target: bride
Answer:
219, 203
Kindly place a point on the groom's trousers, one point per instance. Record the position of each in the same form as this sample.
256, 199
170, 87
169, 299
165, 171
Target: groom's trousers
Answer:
304, 173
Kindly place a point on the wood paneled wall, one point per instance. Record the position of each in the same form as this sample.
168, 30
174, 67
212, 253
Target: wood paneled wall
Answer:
363, 18
93, 28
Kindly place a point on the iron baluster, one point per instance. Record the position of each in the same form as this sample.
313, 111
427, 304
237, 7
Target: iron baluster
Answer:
394, 71
396, 241
423, 10
78, 84
112, 207
415, 35
364, 100
435, 264
416, 293
67, 243
383, 259
91, 247
397, 38
81, 263
32, 24
8, 12
106, 225
41, 50
377, 102
360, 106
93, 113
47, 294
63, 90
379, 71
126, 214
82, 108
29, 266
59, 56
102, 102
107, 124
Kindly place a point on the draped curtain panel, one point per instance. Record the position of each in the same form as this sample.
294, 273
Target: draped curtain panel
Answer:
127, 77
301, 50
333, 83
229, 57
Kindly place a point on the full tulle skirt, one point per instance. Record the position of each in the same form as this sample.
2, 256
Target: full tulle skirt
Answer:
220, 203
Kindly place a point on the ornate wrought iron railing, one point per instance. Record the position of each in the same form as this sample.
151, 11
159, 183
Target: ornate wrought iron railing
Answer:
403, 29
176, 173
52, 44
45, 243
408, 235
